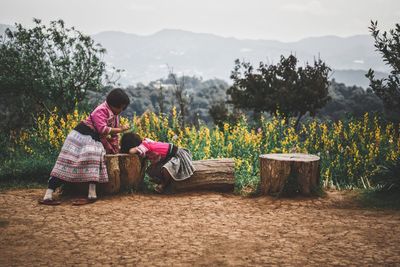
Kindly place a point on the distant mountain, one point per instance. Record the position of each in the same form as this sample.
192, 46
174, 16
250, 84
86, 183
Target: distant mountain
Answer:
147, 58
355, 77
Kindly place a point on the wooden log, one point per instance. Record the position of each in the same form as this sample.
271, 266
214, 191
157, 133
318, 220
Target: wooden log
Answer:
114, 179
125, 172
278, 171
132, 169
211, 174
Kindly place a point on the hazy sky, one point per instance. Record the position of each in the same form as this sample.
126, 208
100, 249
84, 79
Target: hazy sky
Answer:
285, 20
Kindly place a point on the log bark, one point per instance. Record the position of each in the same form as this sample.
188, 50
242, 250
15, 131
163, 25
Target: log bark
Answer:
125, 172
132, 169
114, 180
278, 171
211, 174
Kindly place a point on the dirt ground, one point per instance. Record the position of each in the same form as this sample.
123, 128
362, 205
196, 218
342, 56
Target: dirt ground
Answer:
196, 229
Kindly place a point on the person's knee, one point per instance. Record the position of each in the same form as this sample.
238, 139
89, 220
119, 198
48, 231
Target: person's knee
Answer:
166, 175
152, 171
167, 178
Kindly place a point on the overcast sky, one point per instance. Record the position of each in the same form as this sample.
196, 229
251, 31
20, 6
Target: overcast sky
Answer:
284, 20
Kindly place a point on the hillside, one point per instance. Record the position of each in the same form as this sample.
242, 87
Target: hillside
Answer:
147, 58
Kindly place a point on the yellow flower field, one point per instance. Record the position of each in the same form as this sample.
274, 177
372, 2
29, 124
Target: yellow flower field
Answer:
350, 151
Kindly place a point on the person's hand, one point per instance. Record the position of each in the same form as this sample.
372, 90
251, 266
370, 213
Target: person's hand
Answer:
124, 128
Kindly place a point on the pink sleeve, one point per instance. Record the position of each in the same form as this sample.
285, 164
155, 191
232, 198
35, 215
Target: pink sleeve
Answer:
114, 142
99, 119
142, 150
107, 146
114, 138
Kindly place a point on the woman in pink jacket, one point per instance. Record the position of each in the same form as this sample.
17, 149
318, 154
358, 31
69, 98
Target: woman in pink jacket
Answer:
81, 159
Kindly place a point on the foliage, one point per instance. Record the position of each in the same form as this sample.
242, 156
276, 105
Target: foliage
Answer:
183, 99
350, 150
282, 87
387, 176
23, 168
349, 101
221, 114
388, 89
378, 199
46, 67
209, 101
147, 97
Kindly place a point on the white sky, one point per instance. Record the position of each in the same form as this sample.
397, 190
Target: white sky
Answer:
284, 20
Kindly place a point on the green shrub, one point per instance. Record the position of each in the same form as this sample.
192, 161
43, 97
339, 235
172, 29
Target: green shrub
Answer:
26, 169
387, 177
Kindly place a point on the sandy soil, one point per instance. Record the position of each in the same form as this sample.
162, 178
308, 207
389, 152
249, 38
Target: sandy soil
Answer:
196, 229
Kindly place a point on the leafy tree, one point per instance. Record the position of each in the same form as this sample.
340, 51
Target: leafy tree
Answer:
282, 88
184, 100
220, 114
161, 99
201, 95
47, 67
349, 101
388, 89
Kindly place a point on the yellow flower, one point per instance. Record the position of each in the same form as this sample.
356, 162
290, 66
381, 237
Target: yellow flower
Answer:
229, 148
174, 114
226, 127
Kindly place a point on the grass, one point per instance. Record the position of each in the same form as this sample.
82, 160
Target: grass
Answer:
21, 172
12, 185
376, 199
26, 168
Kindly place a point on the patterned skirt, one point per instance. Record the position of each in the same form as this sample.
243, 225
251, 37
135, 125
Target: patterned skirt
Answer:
180, 166
81, 160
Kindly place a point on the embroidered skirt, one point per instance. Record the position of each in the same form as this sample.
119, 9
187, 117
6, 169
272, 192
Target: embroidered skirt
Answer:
180, 166
81, 160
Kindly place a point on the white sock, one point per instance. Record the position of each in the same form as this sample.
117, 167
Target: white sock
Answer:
48, 194
92, 191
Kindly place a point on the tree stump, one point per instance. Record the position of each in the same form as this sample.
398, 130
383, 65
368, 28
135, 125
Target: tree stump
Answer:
114, 180
210, 174
124, 172
280, 170
132, 169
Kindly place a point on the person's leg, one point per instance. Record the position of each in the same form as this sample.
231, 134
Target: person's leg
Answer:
166, 179
53, 184
91, 198
154, 172
92, 191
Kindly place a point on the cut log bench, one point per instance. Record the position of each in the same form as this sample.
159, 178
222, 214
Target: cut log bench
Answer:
276, 170
124, 172
127, 172
210, 174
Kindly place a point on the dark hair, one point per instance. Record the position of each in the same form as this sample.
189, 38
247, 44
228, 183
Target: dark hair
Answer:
129, 140
118, 98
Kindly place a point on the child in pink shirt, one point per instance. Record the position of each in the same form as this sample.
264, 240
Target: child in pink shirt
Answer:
167, 160
102, 120
81, 159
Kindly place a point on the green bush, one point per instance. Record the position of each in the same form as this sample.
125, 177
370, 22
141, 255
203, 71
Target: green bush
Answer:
26, 169
387, 177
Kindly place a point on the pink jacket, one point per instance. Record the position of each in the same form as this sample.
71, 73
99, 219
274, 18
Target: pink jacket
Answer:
102, 119
154, 150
